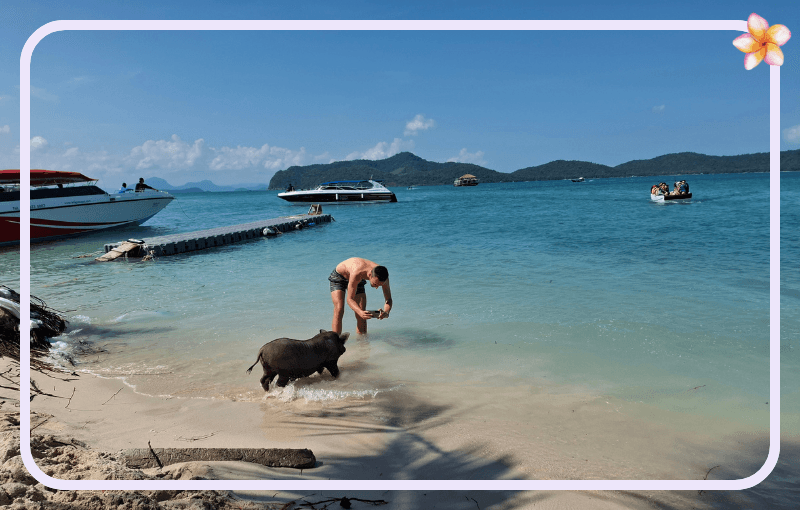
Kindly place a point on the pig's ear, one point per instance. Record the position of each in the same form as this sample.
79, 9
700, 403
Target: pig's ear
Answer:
344, 336
322, 331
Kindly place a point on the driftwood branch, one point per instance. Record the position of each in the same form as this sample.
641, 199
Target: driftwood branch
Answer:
195, 438
70, 398
709, 471
112, 396
141, 458
344, 502
155, 456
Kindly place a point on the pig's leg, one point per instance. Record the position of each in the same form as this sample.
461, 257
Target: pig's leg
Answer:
333, 369
283, 380
266, 378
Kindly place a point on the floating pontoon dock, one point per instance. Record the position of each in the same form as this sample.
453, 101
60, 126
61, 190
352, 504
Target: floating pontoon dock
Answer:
203, 239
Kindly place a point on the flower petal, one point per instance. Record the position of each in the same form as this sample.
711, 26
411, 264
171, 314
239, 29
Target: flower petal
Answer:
747, 43
774, 55
757, 26
778, 34
753, 59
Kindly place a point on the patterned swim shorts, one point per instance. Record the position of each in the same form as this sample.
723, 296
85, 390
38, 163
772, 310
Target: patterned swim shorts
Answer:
339, 282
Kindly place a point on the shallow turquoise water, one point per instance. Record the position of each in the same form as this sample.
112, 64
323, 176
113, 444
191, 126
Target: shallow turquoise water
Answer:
590, 286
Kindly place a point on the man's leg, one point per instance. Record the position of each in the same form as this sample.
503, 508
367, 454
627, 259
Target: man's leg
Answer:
361, 324
337, 296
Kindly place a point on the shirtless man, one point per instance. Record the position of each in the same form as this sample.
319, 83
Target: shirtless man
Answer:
348, 280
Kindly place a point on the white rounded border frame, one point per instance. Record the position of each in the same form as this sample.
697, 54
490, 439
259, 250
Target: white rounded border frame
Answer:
427, 485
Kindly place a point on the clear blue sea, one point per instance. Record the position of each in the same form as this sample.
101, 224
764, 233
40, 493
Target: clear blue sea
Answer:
580, 288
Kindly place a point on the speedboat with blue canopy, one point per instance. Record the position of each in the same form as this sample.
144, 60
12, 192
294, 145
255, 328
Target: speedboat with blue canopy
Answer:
341, 192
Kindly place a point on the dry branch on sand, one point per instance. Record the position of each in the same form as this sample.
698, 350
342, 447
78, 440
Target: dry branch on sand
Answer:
69, 459
44, 323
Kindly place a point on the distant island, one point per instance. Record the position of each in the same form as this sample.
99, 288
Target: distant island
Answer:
407, 169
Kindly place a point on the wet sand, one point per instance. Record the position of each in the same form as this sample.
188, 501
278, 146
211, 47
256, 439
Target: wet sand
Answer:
398, 435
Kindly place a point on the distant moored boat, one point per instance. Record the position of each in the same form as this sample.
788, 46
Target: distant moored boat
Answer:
466, 180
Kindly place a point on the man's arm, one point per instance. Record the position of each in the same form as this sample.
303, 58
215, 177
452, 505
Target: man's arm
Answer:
387, 296
352, 288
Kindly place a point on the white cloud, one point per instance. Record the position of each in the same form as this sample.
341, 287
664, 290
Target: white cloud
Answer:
5, 129
38, 143
284, 158
659, 109
78, 80
273, 158
475, 158
173, 154
382, 150
792, 134
43, 94
182, 161
418, 123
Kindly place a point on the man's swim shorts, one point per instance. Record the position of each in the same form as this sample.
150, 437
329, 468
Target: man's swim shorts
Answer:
339, 282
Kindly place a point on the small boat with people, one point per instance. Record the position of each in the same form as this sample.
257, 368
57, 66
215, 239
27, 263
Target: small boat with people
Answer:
65, 204
579, 179
660, 192
466, 180
341, 192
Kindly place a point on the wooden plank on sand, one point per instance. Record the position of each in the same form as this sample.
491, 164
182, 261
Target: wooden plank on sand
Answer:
143, 458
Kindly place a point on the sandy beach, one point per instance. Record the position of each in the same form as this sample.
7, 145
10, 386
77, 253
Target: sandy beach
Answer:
414, 438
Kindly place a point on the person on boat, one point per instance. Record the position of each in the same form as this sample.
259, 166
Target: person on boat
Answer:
290, 188
347, 282
124, 188
141, 186
684, 187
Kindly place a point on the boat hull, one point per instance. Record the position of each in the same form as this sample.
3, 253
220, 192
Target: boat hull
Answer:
314, 197
56, 218
662, 198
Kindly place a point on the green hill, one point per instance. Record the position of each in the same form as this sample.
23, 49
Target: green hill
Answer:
405, 169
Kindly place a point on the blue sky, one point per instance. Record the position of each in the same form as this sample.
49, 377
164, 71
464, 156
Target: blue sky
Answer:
235, 107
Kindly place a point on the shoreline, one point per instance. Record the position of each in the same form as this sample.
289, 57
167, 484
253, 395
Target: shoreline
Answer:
350, 444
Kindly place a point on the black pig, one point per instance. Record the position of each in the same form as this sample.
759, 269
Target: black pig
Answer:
293, 359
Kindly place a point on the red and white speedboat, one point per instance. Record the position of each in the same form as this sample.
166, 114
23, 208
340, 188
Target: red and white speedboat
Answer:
69, 203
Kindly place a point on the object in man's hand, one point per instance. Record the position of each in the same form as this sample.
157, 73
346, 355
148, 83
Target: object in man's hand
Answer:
375, 313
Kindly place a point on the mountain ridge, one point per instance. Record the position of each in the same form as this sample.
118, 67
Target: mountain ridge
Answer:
406, 169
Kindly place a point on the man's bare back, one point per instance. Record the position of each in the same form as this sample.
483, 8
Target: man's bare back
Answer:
356, 268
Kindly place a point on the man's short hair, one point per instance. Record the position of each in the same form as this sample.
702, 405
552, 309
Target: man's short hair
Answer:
381, 272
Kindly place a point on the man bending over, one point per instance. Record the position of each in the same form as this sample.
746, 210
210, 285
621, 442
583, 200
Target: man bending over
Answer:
347, 281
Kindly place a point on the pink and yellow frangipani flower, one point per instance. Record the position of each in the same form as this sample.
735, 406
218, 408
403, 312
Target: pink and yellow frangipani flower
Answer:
762, 43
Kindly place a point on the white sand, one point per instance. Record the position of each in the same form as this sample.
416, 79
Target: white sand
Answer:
396, 435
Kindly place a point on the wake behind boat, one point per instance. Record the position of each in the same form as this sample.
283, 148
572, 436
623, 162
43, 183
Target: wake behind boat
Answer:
69, 203
341, 192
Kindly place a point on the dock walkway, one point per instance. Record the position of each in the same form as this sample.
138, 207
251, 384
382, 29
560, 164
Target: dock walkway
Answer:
203, 239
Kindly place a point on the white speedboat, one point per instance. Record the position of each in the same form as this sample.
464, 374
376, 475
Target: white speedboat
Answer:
341, 192
69, 203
